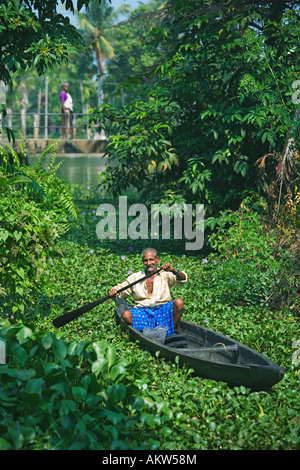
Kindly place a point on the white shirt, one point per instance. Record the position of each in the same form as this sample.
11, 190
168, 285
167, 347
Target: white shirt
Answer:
68, 104
163, 281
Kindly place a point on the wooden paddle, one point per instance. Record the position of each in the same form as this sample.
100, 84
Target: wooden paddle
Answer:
70, 316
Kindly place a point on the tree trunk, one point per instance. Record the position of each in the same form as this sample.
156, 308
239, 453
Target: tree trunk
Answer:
24, 103
100, 73
2, 104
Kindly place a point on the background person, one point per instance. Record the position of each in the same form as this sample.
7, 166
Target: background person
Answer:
66, 110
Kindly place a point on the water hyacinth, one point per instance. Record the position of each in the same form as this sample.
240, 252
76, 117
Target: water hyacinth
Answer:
123, 257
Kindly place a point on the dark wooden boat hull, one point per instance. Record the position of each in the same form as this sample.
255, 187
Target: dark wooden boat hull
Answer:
214, 356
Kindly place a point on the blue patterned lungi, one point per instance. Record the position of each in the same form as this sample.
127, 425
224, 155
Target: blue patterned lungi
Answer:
152, 317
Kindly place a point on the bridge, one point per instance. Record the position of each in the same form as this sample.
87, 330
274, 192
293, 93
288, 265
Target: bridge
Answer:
37, 131
65, 146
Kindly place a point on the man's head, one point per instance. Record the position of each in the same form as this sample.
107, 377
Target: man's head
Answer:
150, 259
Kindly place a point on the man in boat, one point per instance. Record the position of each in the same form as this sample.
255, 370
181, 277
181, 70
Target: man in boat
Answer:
152, 296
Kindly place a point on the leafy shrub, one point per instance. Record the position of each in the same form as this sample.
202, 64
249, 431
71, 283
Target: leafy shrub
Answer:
247, 266
28, 236
35, 208
186, 412
286, 286
70, 395
254, 265
241, 235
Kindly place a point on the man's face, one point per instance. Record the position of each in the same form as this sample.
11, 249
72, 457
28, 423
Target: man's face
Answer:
150, 261
66, 87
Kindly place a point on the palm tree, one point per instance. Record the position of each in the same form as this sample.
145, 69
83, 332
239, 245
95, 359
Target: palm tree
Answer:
98, 25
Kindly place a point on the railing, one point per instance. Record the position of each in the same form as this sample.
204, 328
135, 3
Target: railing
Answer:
49, 126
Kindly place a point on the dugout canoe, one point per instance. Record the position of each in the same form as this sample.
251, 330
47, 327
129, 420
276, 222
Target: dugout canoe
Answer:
211, 355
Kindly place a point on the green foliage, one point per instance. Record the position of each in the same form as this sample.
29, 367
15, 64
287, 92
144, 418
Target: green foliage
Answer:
97, 25
88, 387
241, 235
139, 148
194, 133
253, 267
35, 35
59, 395
28, 236
131, 59
35, 210
224, 102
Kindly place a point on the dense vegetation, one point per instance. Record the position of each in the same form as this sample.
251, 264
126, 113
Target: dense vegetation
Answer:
85, 386
203, 114
215, 104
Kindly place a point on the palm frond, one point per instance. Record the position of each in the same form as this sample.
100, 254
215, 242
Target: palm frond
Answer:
107, 48
50, 149
149, 19
5, 156
261, 162
287, 166
85, 24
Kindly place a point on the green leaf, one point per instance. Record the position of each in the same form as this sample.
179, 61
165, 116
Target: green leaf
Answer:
17, 235
16, 435
4, 235
21, 374
116, 393
20, 355
114, 417
21, 273
112, 357
24, 333
79, 393
4, 444
117, 371
99, 365
136, 403
47, 340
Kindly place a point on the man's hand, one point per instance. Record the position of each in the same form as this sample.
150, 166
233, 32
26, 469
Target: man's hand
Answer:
179, 274
169, 267
113, 292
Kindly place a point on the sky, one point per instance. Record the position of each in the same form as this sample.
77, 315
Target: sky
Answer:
132, 3
114, 3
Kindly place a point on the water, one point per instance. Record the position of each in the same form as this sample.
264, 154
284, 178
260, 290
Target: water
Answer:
83, 170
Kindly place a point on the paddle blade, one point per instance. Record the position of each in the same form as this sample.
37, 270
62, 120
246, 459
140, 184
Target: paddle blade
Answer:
70, 316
